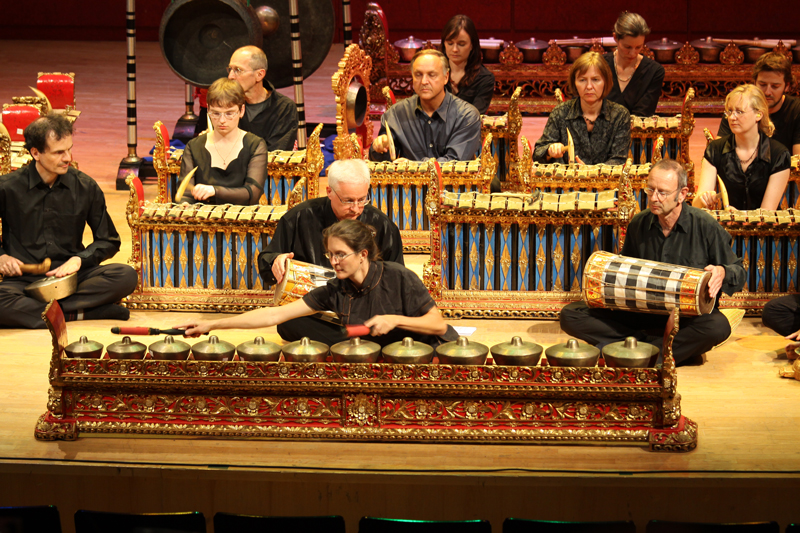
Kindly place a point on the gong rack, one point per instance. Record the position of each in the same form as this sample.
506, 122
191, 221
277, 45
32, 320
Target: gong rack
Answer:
434, 403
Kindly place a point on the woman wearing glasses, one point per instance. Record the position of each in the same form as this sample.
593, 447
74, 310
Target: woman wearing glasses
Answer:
385, 296
231, 163
600, 129
753, 167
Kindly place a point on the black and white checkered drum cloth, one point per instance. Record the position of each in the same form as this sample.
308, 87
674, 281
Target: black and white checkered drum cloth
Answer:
618, 282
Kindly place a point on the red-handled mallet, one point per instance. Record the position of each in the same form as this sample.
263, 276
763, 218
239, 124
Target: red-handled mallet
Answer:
357, 330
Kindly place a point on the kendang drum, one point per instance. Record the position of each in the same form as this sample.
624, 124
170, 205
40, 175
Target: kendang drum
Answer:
618, 282
299, 279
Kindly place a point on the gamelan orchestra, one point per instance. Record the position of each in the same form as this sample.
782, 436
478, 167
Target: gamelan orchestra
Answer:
647, 260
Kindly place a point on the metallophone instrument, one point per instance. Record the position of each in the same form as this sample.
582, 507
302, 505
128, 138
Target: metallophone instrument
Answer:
94, 394
498, 255
713, 79
199, 257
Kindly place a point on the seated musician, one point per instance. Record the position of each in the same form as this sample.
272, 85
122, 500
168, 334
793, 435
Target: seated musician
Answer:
753, 167
469, 79
299, 233
432, 123
231, 163
600, 129
385, 296
268, 114
772, 73
669, 231
45, 207
637, 79
782, 315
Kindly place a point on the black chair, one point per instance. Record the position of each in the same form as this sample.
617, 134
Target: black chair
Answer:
390, 525
98, 522
520, 525
664, 526
43, 518
237, 523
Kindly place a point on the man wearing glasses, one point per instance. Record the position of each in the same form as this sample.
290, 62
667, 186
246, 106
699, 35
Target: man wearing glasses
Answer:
268, 114
299, 233
669, 231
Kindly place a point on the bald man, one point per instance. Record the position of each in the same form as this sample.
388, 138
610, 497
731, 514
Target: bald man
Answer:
268, 114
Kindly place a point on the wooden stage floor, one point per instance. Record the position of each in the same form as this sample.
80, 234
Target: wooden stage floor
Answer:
744, 469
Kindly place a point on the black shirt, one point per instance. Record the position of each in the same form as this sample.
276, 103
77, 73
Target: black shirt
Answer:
452, 133
388, 289
608, 142
276, 123
479, 92
240, 183
746, 189
786, 121
696, 241
641, 95
41, 221
300, 231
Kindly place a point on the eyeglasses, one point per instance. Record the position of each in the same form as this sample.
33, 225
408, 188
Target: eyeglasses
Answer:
338, 257
229, 115
237, 71
658, 194
350, 203
736, 113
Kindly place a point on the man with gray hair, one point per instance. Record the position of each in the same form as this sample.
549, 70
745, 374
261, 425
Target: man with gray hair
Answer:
674, 232
268, 114
299, 236
433, 122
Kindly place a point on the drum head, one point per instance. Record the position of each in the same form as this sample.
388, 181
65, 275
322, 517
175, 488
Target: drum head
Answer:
704, 301
280, 288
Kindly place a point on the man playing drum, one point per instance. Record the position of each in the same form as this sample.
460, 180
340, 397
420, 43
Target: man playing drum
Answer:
298, 236
673, 232
45, 207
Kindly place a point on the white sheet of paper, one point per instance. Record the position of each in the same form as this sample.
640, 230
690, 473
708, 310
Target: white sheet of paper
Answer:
464, 331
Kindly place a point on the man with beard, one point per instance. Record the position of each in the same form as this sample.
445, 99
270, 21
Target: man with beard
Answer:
669, 231
299, 236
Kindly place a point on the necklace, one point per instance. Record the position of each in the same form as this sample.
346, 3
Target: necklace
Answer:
747, 161
616, 67
225, 158
589, 121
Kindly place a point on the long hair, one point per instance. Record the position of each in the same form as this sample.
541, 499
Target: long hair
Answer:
630, 25
356, 235
451, 31
755, 97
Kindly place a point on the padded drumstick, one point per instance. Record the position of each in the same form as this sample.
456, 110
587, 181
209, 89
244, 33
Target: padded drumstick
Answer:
357, 330
133, 330
570, 148
41, 268
184, 184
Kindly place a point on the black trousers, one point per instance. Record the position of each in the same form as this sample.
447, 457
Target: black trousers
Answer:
782, 315
697, 334
97, 286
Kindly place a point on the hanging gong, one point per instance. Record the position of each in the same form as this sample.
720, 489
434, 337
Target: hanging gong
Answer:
198, 37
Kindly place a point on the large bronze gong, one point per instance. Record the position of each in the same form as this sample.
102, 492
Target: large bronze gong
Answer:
198, 37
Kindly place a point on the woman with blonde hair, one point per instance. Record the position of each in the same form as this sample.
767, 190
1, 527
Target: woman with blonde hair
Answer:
753, 167
231, 163
600, 129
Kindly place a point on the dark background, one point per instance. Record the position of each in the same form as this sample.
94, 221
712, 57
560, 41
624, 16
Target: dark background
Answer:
681, 20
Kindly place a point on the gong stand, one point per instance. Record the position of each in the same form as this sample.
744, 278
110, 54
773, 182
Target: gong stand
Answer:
131, 164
